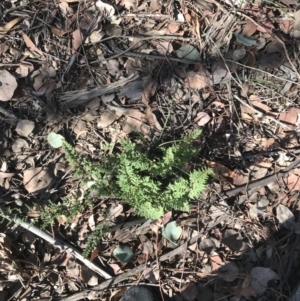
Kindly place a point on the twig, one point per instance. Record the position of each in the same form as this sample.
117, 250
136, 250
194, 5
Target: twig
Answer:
141, 39
57, 243
257, 111
256, 183
111, 282
155, 57
75, 98
8, 114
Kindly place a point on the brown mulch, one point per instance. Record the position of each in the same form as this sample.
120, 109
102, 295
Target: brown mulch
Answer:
96, 72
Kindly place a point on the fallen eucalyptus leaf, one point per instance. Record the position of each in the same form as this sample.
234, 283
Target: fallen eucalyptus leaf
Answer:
244, 40
172, 232
55, 140
188, 52
123, 253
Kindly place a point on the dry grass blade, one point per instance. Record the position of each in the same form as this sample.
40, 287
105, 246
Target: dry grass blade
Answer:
7, 27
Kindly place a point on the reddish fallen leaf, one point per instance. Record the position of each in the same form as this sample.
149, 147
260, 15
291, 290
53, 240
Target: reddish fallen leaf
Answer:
292, 181
220, 170
116, 268
57, 31
249, 29
199, 79
215, 262
266, 26
290, 116
30, 45
202, 118
286, 25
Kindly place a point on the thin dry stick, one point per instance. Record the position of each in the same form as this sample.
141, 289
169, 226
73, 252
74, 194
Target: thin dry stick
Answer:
257, 111
89, 294
8, 114
58, 243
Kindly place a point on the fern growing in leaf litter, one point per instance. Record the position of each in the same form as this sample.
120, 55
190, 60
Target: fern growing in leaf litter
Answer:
152, 186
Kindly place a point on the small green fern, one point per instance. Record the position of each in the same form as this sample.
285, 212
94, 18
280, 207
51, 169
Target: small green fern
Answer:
152, 186
94, 239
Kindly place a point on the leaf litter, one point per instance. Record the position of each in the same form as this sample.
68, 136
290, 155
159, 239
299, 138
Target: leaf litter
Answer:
95, 73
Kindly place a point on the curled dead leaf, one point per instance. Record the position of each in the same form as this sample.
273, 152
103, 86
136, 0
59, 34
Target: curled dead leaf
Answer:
8, 85
37, 179
202, 118
8, 26
197, 80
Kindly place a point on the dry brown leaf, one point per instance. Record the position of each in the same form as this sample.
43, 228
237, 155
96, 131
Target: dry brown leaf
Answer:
23, 69
249, 29
8, 85
164, 47
256, 102
290, 116
116, 268
3, 48
106, 119
37, 179
65, 8
267, 144
229, 271
89, 277
173, 27
260, 278
220, 171
274, 46
24, 127
266, 26
215, 262
77, 40
202, 118
115, 210
198, 80
30, 45
247, 291
155, 5
106, 9
240, 179
292, 181
8, 26
57, 31
220, 73
79, 127
285, 217
133, 124
234, 240
286, 25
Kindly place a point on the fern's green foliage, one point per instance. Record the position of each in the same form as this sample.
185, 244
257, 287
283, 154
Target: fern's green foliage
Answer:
53, 212
152, 186
94, 239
